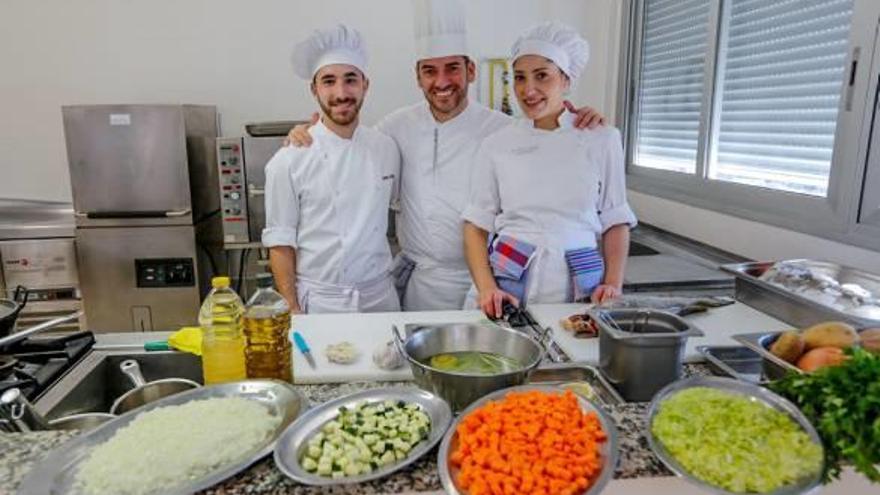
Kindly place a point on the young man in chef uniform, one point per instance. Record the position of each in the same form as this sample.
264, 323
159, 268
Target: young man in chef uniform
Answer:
326, 205
438, 139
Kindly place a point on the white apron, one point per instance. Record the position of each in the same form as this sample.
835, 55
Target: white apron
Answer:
432, 287
548, 280
373, 296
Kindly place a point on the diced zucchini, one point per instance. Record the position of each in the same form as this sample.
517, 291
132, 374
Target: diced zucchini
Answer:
309, 464
314, 451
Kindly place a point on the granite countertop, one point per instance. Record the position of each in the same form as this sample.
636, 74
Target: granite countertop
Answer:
18, 451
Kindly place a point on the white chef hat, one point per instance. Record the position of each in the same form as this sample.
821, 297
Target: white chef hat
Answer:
439, 28
554, 40
337, 45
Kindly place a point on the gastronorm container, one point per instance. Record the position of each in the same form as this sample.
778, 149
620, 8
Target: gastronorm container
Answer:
641, 350
796, 309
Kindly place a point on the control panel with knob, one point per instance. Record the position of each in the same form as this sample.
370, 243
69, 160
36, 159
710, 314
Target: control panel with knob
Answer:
233, 201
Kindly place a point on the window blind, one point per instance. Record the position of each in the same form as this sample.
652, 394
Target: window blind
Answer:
783, 73
671, 83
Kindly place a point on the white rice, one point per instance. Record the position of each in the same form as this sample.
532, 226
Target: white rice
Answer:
167, 446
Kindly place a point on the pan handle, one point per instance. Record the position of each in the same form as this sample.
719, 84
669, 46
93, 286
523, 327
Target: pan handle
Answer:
18, 292
10, 339
132, 370
398, 341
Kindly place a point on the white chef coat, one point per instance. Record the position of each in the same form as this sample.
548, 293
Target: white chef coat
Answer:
437, 161
558, 190
330, 203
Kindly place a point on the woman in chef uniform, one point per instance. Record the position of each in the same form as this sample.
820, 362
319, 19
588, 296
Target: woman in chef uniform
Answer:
549, 201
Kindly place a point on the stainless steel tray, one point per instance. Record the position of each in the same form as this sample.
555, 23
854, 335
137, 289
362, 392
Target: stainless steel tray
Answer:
753, 392
558, 374
796, 309
56, 472
292, 442
610, 451
773, 366
734, 361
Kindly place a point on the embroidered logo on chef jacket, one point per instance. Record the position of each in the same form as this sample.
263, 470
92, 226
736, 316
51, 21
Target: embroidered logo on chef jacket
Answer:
524, 150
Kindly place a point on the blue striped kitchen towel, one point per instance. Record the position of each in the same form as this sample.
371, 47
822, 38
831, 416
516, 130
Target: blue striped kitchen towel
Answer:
587, 269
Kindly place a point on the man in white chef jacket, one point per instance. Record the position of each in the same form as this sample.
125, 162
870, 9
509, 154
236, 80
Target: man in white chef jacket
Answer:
438, 139
326, 205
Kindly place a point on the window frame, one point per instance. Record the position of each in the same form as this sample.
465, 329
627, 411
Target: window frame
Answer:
835, 216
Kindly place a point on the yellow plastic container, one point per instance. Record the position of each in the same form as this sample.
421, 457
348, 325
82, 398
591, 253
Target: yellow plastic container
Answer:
223, 342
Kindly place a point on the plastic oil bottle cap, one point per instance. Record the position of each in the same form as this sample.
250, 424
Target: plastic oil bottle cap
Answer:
220, 282
264, 280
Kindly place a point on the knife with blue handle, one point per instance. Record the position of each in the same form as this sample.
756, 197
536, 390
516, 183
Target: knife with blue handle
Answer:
304, 348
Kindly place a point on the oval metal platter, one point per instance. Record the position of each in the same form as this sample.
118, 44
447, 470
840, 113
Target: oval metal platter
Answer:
293, 442
56, 473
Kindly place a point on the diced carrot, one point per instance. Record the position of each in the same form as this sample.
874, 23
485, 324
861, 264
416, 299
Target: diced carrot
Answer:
528, 442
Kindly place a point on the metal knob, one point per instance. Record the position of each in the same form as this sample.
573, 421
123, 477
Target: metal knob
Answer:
21, 413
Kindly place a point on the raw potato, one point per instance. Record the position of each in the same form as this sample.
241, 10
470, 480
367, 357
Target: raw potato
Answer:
870, 338
830, 334
789, 346
820, 358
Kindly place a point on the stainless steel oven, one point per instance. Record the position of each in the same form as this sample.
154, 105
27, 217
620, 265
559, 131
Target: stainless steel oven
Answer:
37, 252
148, 229
241, 163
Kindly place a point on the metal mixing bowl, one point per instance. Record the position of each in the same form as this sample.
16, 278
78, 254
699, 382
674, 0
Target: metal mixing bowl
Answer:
461, 389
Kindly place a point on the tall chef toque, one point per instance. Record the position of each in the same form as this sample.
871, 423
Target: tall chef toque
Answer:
561, 44
336, 45
439, 28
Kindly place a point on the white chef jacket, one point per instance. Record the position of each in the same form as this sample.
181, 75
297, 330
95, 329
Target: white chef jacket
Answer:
558, 190
437, 161
330, 203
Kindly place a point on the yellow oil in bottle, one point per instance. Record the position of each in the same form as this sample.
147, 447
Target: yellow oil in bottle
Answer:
266, 328
268, 352
223, 342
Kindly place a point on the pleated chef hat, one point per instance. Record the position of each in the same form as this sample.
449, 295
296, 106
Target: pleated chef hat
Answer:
337, 45
439, 28
557, 42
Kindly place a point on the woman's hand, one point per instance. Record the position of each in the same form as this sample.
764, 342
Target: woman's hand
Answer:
605, 292
492, 300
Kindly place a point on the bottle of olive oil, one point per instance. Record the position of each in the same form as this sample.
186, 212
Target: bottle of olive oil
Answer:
222, 339
266, 329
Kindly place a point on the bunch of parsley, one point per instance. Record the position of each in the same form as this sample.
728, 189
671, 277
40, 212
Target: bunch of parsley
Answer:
843, 403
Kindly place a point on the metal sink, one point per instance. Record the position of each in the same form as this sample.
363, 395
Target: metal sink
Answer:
94, 383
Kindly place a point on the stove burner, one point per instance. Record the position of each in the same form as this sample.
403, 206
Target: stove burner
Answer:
38, 362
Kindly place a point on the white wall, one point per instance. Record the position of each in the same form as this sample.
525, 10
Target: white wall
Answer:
230, 53
747, 238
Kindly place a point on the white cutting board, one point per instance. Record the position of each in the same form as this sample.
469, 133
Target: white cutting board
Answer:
366, 331
717, 325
